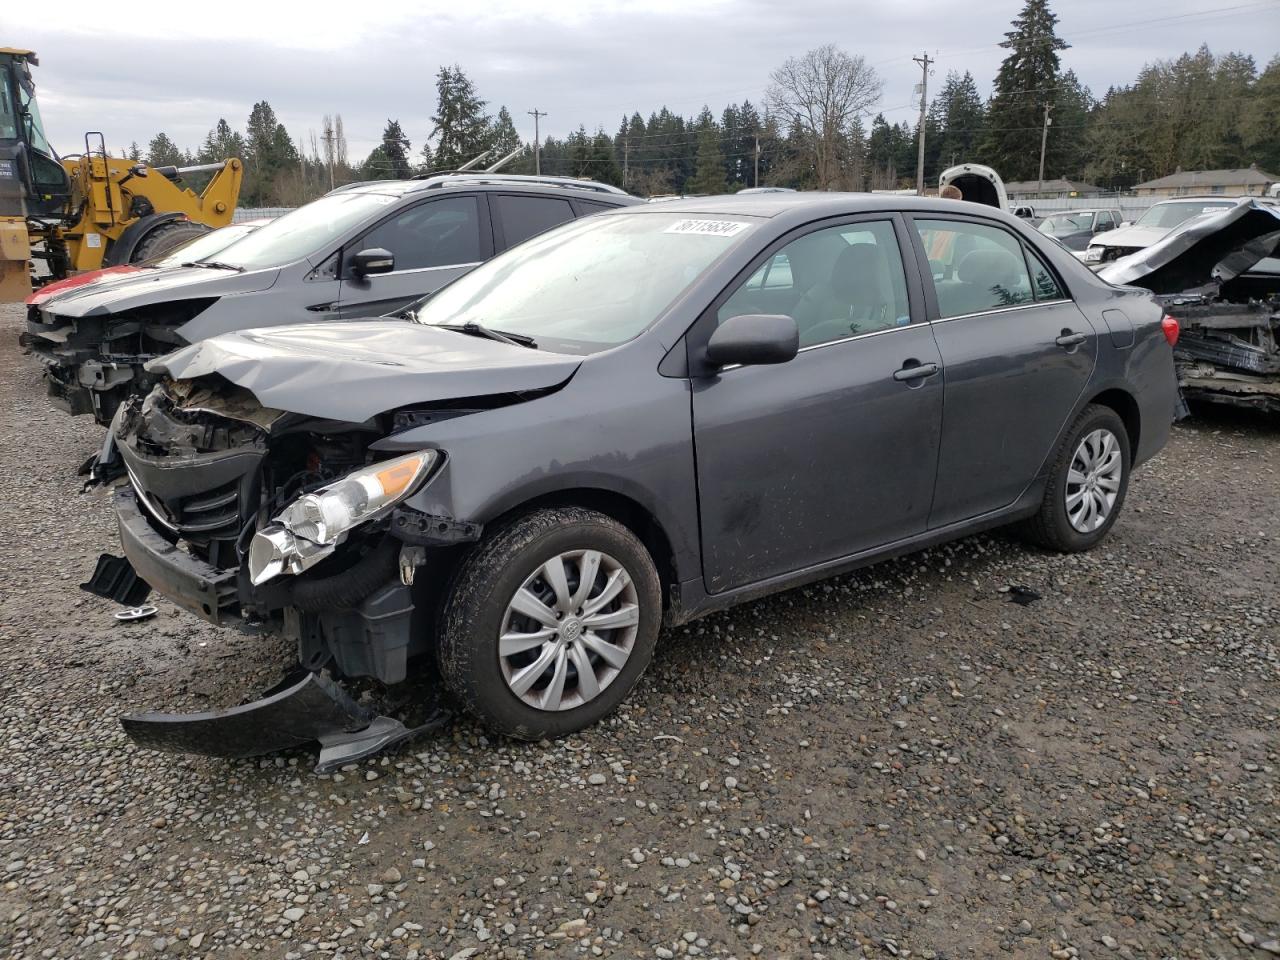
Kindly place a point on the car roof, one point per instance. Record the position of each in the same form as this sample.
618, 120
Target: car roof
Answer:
1201, 197
580, 189
815, 204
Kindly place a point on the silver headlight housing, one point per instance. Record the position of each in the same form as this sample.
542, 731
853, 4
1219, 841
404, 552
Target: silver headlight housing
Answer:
309, 528
1093, 254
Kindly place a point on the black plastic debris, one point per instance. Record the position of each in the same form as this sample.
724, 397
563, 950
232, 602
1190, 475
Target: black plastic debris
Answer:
1023, 596
297, 711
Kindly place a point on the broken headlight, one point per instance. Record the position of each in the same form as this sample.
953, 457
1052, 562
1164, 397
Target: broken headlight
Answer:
309, 529
1093, 254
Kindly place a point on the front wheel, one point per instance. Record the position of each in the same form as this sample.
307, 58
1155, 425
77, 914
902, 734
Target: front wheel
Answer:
550, 622
1087, 483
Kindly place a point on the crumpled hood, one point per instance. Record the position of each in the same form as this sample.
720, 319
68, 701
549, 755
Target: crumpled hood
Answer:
1129, 237
147, 287
352, 371
1214, 247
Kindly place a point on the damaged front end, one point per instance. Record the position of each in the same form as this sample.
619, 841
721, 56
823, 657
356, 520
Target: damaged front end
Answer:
1219, 277
235, 510
92, 363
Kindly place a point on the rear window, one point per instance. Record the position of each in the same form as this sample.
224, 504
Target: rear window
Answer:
524, 217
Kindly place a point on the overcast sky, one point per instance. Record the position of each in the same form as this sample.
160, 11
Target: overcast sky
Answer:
180, 67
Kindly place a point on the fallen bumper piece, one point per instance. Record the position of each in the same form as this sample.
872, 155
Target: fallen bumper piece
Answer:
294, 713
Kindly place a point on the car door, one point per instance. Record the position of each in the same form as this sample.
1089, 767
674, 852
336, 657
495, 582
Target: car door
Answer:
834, 452
519, 216
433, 242
1017, 353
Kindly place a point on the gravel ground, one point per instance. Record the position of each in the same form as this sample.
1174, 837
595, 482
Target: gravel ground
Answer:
895, 763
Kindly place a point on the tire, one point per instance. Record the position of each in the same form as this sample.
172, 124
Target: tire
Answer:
532, 686
166, 238
1058, 525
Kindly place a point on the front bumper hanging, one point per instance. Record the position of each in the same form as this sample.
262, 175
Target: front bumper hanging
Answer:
297, 711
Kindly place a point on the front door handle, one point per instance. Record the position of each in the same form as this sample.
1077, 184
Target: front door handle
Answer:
915, 371
1069, 339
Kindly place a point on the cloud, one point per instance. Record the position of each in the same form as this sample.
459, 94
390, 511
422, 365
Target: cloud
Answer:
586, 62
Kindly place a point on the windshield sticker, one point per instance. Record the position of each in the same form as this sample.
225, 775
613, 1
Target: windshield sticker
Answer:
708, 228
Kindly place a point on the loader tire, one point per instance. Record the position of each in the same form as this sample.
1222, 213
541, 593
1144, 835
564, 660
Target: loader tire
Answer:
166, 238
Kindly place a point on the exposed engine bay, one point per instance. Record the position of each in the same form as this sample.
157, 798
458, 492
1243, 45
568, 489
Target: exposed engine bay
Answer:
91, 363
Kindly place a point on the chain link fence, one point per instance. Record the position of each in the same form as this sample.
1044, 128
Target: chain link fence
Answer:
244, 214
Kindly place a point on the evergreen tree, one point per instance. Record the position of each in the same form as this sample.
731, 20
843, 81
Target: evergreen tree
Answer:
1260, 119
708, 176
461, 125
221, 143
377, 166
135, 152
957, 110
1026, 83
882, 154
743, 146
1065, 152
268, 153
603, 166
503, 136
395, 151
163, 152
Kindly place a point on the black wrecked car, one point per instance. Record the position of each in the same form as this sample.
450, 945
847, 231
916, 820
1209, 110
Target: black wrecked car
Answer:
633, 419
367, 249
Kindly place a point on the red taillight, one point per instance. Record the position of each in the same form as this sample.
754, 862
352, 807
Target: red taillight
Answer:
1170, 327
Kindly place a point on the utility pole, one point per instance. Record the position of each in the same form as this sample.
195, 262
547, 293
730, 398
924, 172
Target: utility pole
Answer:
537, 143
626, 159
924, 62
328, 150
1044, 142
756, 180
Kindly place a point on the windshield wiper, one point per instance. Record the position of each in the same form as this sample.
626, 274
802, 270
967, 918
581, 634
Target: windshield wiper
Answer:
214, 265
480, 330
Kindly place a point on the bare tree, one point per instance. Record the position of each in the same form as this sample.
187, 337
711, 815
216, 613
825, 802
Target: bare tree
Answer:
823, 93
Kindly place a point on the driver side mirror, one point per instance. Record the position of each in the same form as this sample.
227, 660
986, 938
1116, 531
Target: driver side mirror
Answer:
752, 339
372, 261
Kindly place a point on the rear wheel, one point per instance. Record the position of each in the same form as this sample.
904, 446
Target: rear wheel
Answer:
550, 622
1087, 483
166, 238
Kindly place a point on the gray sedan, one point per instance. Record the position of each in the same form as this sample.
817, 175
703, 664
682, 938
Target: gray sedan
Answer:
635, 418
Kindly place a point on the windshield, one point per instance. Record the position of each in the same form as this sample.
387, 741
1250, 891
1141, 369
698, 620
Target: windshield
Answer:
204, 247
1169, 215
1063, 223
589, 284
8, 117
304, 232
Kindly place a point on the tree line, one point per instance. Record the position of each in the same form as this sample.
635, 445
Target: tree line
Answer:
817, 127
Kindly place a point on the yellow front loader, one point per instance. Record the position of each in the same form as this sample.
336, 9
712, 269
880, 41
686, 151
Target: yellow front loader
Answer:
86, 211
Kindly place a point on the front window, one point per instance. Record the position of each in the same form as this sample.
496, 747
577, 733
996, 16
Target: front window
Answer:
8, 114
305, 232
1169, 215
590, 284
836, 283
1061, 224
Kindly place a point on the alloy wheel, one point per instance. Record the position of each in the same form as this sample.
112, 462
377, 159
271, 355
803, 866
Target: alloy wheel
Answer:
569, 630
1093, 480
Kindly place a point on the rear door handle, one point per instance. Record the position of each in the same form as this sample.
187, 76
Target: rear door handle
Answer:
916, 371
1069, 339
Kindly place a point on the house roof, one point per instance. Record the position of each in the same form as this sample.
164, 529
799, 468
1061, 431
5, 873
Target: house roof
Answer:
1050, 186
1247, 176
